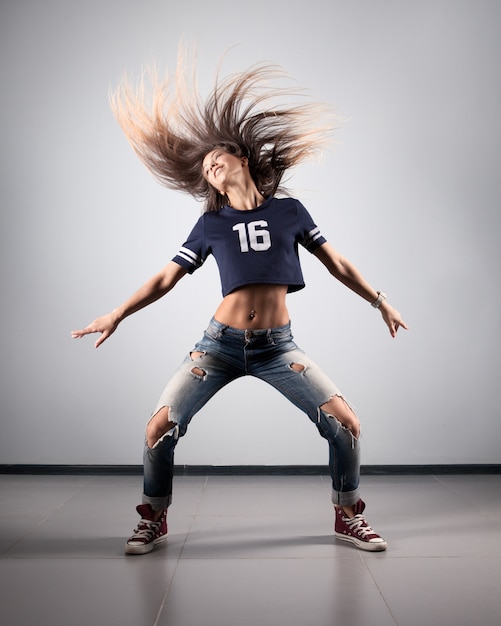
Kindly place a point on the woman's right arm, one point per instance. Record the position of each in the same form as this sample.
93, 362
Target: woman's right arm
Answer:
152, 290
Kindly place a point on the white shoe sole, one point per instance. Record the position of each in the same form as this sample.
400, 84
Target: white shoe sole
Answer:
370, 546
144, 548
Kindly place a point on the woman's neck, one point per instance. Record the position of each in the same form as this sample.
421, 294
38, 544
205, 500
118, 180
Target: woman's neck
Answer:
245, 198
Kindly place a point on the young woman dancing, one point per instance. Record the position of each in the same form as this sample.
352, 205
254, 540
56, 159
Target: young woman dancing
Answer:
232, 152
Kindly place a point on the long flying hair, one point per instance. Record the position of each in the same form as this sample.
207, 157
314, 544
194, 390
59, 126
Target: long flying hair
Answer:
172, 129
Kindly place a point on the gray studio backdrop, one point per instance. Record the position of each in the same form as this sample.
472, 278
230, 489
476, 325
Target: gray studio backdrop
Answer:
410, 194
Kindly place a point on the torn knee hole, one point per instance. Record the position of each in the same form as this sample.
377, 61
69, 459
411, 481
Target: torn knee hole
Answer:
155, 436
338, 408
351, 427
354, 429
158, 427
297, 367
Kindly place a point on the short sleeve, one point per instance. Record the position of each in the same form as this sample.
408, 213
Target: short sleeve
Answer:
194, 251
310, 236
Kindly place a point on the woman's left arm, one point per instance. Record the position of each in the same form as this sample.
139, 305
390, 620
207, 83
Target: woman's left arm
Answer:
349, 275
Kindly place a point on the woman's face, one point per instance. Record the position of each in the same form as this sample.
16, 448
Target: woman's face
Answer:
220, 168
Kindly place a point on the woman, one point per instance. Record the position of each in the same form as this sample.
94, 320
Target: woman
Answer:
233, 152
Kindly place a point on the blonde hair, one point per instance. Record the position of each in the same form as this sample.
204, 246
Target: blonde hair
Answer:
172, 129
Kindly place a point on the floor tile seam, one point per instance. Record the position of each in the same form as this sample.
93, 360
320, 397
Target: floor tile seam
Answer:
44, 557
460, 493
187, 534
74, 495
13, 516
267, 515
27, 534
193, 516
202, 494
34, 528
157, 621
264, 477
454, 489
362, 556
164, 600
449, 487
431, 557
169, 584
367, 560
265, 558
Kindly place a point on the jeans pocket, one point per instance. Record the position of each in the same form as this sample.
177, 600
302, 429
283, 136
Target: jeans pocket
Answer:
282, 338
213, 333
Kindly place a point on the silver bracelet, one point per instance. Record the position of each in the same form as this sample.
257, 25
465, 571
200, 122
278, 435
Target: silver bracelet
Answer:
381, 297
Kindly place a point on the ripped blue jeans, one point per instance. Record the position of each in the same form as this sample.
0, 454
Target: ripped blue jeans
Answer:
227, 354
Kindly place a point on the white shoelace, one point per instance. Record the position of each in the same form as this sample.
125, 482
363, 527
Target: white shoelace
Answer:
359, 525
145, 529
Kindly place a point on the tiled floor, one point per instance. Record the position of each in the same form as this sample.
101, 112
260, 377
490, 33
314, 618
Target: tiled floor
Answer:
250, 551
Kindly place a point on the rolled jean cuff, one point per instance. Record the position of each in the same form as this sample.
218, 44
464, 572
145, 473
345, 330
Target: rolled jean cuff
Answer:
346, 498
157, 504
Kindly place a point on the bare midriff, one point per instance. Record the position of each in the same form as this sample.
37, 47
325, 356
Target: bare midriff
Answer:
254, 306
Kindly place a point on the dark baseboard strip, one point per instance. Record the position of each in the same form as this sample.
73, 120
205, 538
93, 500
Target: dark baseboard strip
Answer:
248, 470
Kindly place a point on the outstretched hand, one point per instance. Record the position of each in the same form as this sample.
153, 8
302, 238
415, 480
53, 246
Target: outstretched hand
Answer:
392, 318
106, 325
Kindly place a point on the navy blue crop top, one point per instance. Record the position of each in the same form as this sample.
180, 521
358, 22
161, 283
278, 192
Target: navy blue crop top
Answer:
256, 246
